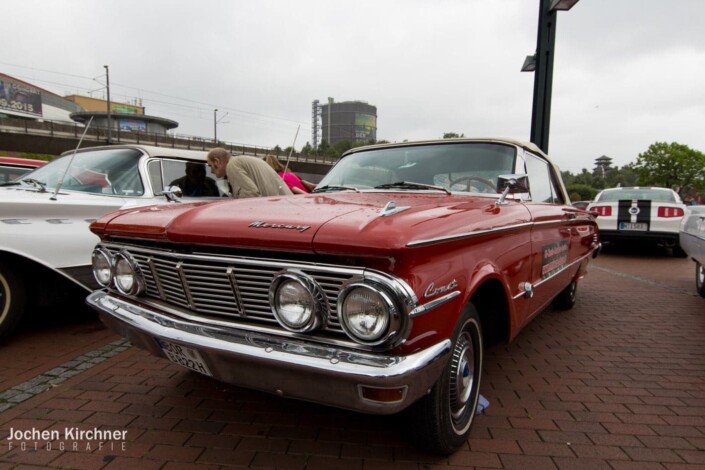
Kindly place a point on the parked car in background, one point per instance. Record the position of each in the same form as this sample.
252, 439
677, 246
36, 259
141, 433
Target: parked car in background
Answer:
692, 240
45, 243
375, 293
12, 168
640, 215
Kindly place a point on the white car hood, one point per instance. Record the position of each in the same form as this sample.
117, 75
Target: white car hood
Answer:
54, 232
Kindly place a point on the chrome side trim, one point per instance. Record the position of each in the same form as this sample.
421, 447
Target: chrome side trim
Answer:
428, 306
476, 233
567, 266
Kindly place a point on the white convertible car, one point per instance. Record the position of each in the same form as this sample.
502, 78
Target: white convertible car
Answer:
45, 244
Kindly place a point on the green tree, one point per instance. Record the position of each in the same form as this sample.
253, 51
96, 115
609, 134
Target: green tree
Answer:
584, 192
307, 149
673, 165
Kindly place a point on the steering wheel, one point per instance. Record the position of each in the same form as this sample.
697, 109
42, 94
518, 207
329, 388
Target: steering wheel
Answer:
470, 179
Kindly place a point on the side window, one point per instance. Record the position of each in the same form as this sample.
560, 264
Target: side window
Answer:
193, 178
155, 176
540, 183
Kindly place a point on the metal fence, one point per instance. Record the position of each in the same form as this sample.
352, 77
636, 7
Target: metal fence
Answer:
63, 129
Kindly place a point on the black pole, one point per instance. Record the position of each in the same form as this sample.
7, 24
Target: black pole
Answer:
543, 78
110, 124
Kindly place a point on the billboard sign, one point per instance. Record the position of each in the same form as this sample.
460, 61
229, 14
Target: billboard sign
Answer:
131, 125
124, 108
20, 98
365, 126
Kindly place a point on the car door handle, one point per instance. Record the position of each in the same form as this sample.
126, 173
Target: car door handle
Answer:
569, 214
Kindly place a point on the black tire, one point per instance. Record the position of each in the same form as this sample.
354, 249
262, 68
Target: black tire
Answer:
12, 300
700, 278
441, 421
678, 252
567, 298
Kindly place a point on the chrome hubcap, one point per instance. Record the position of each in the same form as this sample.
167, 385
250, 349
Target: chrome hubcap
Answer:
462, 376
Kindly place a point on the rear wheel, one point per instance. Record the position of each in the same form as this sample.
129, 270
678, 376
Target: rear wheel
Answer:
700, 278
567, 298
441, 420
12, 299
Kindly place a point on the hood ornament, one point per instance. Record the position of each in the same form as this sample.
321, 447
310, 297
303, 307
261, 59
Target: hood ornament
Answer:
391, 208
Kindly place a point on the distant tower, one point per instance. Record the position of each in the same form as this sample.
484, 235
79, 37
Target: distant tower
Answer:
315, 126
602, 165
354, 121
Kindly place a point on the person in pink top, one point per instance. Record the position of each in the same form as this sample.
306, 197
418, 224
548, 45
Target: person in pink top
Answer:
295, 184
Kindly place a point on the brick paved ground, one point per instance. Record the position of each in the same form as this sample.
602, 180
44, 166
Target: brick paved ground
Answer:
616, 383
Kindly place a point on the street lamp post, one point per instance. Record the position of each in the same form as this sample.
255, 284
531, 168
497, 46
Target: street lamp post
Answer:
110, 124
542, 66
215, 124
215, 127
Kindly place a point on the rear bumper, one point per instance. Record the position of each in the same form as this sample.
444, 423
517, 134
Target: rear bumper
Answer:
666, 238
284, 366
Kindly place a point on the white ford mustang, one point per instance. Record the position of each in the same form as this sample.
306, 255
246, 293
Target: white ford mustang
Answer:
639, 214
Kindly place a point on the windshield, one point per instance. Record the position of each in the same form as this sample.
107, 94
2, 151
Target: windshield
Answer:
637, 194
466, 166
111, 171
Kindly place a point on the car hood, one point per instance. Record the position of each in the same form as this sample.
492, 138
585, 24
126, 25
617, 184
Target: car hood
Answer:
22, 202
337, 223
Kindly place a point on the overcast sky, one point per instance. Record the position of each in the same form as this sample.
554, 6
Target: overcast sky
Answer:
627, 73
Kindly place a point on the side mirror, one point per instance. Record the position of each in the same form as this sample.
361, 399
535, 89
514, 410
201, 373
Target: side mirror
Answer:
173, 193
511, 184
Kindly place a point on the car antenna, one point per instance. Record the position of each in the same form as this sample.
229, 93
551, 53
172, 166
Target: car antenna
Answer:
58, 186
292, 148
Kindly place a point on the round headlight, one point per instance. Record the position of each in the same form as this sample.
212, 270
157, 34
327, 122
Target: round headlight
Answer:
366, 313
126, 275
294, 302
102, 267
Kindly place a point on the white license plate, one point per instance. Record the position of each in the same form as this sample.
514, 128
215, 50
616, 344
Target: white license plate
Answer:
183, 356
632, 226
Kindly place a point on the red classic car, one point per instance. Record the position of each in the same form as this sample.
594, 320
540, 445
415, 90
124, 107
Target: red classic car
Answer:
12, 168
376, 293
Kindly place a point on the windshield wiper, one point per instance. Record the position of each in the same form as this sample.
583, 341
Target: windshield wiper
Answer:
328, 187
411, 185
36, 183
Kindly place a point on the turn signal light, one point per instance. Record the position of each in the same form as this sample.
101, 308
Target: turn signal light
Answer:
604, 211
670, 212
382, 395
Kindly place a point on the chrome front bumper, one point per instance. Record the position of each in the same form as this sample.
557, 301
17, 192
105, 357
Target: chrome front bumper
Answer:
286, 367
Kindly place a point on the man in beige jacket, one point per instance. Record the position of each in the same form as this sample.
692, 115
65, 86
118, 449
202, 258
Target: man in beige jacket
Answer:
248, 176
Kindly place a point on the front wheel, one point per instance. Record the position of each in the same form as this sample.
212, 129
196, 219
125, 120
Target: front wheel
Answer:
12, 300
700, 278
441, 420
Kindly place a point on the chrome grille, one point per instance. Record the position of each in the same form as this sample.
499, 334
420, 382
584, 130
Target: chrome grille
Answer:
229, 288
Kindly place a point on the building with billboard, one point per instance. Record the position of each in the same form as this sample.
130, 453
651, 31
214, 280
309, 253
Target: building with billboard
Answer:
353, 121
19, 99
